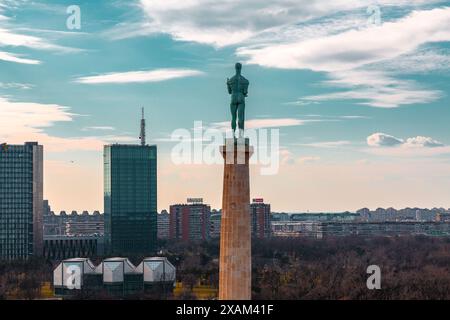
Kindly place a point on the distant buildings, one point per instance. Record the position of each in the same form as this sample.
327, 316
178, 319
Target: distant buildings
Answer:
319, 230
130, 199
195, 221
280, 216
73, 224
443, 216
367, 215
406, 214
72, 235
190, 221
380, 222
21, 201
260, 219
214, 224
342, 216
85, 224
163, 225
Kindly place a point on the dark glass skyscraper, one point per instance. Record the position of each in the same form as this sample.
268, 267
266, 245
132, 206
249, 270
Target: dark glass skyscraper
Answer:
21, 201
130, 199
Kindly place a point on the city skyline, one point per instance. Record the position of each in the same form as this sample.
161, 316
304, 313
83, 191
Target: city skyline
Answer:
362, 115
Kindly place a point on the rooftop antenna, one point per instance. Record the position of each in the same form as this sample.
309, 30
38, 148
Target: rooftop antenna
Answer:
142, 136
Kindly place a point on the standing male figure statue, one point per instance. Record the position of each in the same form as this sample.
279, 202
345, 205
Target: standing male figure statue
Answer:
238, 88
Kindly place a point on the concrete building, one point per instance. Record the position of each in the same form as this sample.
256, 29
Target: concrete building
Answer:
21, 201
214, 222
118, 276
163, 220
190, 222
260, 213
74, 224
85, 224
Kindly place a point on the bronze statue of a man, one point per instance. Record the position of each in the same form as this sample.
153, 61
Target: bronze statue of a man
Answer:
238, 88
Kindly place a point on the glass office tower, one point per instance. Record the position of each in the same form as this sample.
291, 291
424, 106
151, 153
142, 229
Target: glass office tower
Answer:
21, 201
130, 199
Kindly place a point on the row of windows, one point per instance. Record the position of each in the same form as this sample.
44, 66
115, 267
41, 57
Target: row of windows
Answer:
18, 225
16, 167
15, 194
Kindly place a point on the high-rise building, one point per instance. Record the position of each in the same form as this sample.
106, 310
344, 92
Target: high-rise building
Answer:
214, 222
260, 213
130, 199
163, 225
189, 221
21, 201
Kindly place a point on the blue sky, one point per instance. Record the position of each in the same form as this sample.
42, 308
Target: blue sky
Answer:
360, 99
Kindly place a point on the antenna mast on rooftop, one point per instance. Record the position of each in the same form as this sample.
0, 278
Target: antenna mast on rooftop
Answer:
142, 136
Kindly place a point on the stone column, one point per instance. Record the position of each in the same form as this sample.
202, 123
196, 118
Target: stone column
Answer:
235, 231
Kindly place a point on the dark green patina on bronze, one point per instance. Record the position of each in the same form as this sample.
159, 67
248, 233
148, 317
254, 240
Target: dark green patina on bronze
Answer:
238, 88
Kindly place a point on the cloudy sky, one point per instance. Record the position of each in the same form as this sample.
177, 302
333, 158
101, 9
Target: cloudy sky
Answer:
358, 89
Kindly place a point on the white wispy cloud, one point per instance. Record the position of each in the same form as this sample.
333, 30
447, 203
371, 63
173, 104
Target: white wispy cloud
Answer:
354, 117
234, 22
140, 76
26, 121
374, 88
327, 144
388, 145
351, 58
358, 47
420, 141
102, 128
11, 57
13, 39
423, 60
385, 140
15, 85
331, 37
11, 36
268, 123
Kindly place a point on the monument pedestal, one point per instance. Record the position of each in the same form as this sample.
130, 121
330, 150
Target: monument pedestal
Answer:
235, 232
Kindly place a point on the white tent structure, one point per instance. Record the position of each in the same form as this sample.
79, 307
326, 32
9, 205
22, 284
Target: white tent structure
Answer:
115, 269
70, 273
117, 275
157, 269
